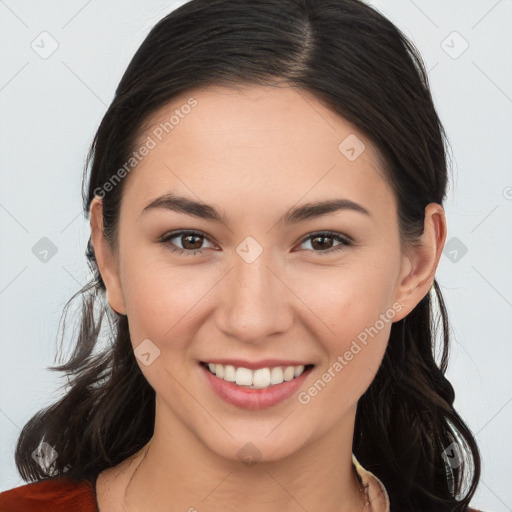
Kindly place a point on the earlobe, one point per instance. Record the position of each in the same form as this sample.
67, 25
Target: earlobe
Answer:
108, 304
106, 258
420, 263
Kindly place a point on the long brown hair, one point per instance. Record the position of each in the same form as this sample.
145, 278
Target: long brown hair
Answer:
365, 69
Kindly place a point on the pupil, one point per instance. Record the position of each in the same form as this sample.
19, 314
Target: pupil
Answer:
322, 245
192, 236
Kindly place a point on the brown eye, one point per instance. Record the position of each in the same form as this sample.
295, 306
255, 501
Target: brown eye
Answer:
323, 242
191, 241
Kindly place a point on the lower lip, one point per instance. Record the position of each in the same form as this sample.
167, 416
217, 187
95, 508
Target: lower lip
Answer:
254, 399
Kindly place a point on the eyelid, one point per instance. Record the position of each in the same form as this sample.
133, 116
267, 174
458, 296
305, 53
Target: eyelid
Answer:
345, 240
333, 234
164, 239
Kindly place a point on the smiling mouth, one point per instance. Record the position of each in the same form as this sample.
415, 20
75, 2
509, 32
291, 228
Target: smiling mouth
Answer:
256, 379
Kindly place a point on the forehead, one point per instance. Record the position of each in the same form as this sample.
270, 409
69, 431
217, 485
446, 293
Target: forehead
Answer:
280, 142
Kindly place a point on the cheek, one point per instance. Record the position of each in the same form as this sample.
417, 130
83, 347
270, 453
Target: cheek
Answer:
352, 322
160, 297
347, 299
353, 354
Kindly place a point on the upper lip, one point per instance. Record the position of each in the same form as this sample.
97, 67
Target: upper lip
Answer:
255, 365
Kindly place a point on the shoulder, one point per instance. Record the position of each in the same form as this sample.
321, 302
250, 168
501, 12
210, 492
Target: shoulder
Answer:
55, 494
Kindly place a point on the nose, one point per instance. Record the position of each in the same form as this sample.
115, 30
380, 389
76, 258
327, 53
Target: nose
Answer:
254, 301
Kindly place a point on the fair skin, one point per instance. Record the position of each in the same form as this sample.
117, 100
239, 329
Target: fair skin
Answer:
253, 153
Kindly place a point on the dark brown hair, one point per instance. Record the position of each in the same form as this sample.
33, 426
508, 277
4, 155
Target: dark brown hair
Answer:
362, 67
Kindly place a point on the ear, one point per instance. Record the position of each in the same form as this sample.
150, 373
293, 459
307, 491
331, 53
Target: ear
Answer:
106, 258
420, 263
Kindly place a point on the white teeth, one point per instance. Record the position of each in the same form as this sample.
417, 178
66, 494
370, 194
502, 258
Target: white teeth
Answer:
243, 376
276, 375
256, 379
229, 373
289, 373
261, 378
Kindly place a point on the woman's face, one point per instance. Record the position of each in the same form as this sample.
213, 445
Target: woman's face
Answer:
256, 281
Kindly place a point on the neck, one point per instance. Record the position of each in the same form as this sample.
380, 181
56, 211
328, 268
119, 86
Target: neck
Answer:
176, 468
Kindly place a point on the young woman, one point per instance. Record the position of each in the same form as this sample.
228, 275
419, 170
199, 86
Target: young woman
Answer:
265, 200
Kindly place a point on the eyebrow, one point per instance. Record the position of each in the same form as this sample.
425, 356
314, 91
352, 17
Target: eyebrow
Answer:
295, 215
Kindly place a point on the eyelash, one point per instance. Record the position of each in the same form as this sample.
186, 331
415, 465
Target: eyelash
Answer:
345, 241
